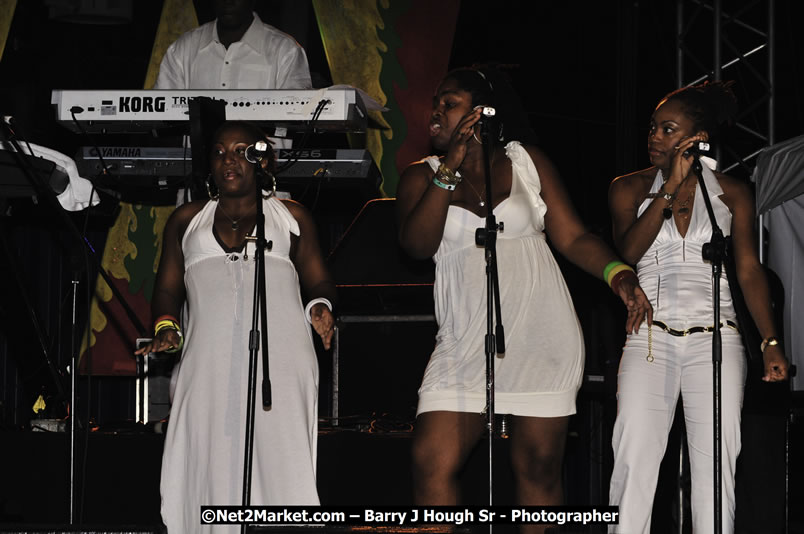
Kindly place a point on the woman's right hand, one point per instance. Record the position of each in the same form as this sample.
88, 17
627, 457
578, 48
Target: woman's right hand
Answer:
680, 165
461, 136
166, 339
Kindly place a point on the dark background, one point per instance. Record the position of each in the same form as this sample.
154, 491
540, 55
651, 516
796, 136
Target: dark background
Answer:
589, 75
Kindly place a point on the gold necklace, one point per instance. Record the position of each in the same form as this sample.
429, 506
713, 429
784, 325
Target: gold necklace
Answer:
235, 222
481, 199
683, 208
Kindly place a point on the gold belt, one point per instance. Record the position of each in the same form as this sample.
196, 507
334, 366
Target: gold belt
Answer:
681, 333
693, 330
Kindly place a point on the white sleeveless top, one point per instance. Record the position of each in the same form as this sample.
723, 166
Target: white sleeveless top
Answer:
673, 273
541, 371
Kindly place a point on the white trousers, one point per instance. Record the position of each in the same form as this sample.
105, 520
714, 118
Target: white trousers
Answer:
647, 394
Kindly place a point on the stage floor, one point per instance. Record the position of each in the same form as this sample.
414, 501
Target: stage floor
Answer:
355, 467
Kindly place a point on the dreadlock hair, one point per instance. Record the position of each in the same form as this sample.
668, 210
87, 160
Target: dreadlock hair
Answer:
489, 86
710, 105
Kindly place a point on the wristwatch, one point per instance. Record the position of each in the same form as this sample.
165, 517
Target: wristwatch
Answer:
665, 195
768, 342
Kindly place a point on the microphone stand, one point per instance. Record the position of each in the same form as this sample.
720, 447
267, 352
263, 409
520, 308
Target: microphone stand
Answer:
257, 336
495, 338
715, 252
44, 191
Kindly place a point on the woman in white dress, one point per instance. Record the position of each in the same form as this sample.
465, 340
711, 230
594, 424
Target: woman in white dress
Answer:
660, 224
440, 204
208, 264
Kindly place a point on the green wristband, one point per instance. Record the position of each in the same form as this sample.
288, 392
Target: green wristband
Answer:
608, 269
442, 185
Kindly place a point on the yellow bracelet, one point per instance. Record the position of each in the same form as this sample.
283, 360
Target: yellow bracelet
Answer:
166, 323
169, 324
617, 269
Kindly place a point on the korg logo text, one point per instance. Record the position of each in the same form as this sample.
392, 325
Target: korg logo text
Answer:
145, 104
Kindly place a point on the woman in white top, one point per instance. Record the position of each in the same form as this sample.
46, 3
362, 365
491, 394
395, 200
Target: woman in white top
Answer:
208, 264
440, 204
660, 224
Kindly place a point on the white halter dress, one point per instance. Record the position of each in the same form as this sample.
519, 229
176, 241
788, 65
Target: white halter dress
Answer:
203, 456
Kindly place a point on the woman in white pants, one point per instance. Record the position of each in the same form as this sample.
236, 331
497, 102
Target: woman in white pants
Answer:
660, 223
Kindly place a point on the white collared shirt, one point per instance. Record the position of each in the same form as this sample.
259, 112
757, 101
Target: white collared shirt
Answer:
265, 58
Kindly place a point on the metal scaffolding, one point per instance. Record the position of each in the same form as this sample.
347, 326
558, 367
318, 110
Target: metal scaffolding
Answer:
717, 40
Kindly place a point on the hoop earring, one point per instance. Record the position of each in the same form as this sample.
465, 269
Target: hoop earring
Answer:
272, 192
212, 196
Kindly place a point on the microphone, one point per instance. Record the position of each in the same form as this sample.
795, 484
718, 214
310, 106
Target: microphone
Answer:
487, 112
701, 148
257, 151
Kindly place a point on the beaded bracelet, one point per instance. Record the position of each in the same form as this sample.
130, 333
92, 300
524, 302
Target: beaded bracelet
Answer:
446, 178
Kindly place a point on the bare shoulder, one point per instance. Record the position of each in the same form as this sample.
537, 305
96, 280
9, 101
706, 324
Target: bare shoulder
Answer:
535, 152
635, 179
182, 215
635, 185
538, 156
298, 211
732, 185
418, 170
736, 192
547, 170
180, 219
414, 181
295, 207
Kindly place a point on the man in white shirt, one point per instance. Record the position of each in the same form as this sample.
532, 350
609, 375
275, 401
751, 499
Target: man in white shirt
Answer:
235, 51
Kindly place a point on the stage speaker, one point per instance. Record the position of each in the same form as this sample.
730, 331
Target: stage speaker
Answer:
386, 320
379, 369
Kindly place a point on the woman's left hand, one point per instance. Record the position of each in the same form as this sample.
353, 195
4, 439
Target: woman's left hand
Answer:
323, 323
775, 364
636, 302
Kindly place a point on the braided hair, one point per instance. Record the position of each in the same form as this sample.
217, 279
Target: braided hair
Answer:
710, 105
